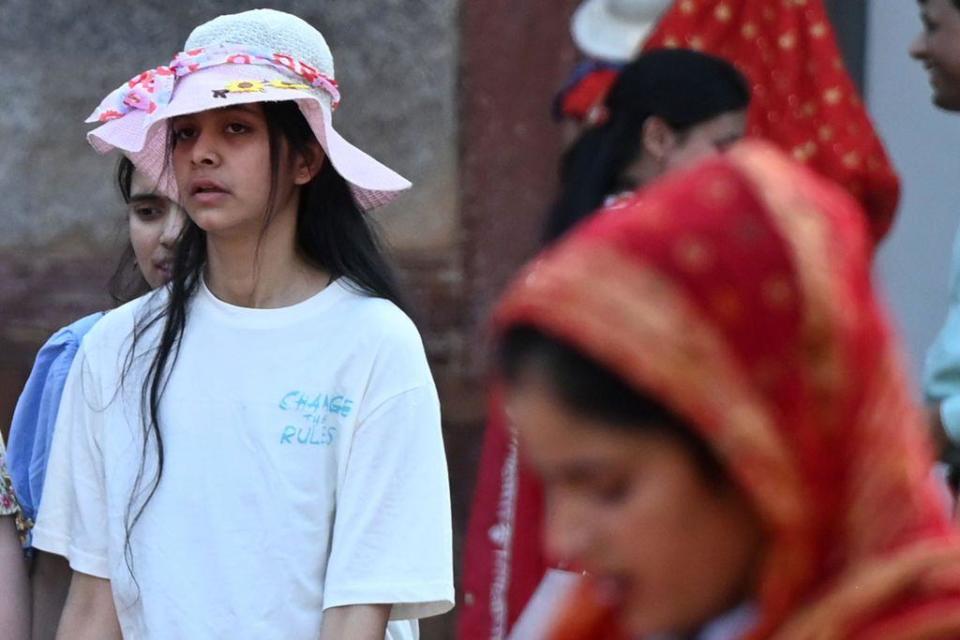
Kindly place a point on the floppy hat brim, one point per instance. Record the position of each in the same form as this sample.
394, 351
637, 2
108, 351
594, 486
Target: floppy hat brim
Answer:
143, 137
601, 35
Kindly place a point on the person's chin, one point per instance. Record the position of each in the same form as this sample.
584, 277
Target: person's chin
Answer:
947, 100
213, 219
643, 620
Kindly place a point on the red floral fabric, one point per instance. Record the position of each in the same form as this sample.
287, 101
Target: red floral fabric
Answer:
803, 99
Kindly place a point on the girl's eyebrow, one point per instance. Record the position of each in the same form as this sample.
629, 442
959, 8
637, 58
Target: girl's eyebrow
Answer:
143, 197
247, 108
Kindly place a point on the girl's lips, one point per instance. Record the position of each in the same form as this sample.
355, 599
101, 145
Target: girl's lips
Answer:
165, 269
612, 590
209, 198
205, 191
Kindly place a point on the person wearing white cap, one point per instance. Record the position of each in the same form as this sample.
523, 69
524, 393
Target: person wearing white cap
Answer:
614, 30
609, 33
254, 450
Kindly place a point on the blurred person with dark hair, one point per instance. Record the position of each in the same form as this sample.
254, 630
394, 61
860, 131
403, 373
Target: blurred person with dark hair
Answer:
608, 34
714, 398
667, 109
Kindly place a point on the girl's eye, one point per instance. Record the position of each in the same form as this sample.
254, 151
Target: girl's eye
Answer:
611, 492
183, 133
147, 212
236, 127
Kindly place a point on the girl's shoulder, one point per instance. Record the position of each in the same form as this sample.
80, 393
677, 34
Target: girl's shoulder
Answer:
381, 327
73, 333
64, 343
116, 326
375, 316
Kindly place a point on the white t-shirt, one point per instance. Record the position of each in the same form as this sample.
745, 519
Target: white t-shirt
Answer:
303, 469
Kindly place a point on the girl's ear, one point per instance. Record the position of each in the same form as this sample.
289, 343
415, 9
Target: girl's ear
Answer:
308, 164
658, 138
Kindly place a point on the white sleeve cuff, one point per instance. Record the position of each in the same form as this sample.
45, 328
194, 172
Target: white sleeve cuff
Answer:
80, 561
410, 601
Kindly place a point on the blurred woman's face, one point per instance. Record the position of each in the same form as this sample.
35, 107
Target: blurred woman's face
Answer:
155, 226
631, 507
663, 149
706, 139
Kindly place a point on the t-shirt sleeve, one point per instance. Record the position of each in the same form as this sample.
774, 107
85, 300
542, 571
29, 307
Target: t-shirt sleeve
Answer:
73, 516
392, 540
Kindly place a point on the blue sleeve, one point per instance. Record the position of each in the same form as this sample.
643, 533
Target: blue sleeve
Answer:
31, 431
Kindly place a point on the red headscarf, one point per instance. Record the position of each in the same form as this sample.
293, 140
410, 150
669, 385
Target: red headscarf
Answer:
802, 98
739, 294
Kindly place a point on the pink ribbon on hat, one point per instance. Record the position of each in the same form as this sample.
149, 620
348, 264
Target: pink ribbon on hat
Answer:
153, 88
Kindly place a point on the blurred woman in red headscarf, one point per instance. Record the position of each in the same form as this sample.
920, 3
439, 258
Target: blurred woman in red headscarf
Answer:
704, 380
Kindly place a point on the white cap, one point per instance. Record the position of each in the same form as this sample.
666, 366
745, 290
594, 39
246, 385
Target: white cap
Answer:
615, 30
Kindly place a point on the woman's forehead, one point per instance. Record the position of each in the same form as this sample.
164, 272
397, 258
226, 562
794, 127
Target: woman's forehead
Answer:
142, 186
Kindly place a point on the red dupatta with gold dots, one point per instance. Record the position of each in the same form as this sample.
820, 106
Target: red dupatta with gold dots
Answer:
739, 294
802, 97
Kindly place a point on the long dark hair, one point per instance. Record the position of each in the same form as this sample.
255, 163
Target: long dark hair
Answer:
332, 233
127, 282
684, 88
590, 389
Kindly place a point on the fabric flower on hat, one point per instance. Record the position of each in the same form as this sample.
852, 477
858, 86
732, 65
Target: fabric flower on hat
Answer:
245, 86
154, 88
263, 55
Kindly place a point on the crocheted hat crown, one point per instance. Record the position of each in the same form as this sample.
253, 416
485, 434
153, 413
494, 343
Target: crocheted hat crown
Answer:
268, 30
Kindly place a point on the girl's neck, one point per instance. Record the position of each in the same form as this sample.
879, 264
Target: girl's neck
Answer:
263, 271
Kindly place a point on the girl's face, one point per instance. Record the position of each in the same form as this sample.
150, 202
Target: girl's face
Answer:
221, 159
663, 149
155, 225
706, 139
633, 509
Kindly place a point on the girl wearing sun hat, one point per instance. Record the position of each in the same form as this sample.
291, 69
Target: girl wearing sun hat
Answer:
253, 451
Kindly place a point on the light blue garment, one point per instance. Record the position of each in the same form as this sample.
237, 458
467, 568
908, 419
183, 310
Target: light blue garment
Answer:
941, 374
33, 420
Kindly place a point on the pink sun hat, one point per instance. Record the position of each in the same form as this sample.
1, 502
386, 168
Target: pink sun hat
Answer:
255, 56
